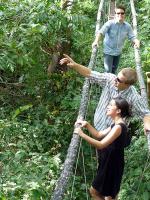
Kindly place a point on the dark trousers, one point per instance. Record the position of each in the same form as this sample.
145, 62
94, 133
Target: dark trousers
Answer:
111, 63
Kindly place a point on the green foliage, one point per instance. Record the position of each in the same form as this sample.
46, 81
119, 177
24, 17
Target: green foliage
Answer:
38, 110
144, 29
32, 136
135, 184
26, 28
28, 175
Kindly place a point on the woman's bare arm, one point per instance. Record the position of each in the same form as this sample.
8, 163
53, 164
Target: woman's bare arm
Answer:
107, 140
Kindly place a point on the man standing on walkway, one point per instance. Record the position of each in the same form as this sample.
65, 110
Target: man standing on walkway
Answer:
115, 32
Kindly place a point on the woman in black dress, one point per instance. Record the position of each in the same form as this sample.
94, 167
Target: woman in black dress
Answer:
110, 144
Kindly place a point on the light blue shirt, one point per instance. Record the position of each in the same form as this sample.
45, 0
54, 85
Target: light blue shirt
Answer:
115, 34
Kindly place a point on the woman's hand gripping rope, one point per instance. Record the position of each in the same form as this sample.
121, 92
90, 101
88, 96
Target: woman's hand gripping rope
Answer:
78, 125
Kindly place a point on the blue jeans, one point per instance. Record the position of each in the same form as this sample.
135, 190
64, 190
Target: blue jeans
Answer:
111, 63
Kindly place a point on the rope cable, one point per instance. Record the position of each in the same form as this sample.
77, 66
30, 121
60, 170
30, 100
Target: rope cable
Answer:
79, 149
84, 172
77, 160
90, 146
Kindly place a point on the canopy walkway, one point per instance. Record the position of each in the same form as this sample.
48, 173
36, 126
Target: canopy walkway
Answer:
73, 147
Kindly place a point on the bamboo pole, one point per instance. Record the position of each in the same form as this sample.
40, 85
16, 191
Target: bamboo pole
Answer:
148, 84
112, 6
73, 147
138, 64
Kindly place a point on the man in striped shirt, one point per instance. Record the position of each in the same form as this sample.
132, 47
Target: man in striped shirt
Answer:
113, 86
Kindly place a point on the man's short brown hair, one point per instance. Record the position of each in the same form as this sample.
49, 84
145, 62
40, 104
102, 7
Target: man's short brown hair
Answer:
121, 7
130, 75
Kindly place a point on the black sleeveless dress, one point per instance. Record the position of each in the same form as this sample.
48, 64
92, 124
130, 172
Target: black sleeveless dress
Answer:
111, 165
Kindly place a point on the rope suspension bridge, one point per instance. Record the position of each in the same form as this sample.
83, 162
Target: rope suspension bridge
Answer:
73, 153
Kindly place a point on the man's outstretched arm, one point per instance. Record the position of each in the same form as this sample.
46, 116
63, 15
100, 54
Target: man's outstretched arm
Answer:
84, 71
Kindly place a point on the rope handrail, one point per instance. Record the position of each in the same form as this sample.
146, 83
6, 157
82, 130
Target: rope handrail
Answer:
73, 147
138, 64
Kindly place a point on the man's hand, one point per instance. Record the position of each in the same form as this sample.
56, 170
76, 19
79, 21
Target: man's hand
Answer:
67, 60
136, 43
84, 71
98, 38
95, 43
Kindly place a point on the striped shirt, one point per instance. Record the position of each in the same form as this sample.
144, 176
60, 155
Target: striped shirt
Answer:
106, 81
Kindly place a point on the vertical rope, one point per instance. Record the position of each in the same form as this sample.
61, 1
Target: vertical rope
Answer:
84, 172
73, 183
92, 163
138, 64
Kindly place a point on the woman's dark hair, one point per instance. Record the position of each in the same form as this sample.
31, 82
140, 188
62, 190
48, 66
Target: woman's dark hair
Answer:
123, 105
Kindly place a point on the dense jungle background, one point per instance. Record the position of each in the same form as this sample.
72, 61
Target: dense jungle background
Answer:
40, 99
